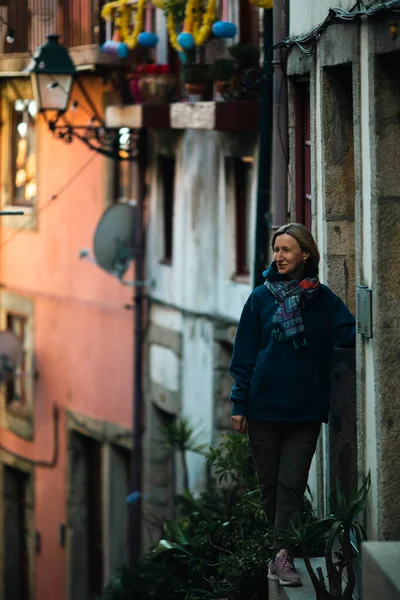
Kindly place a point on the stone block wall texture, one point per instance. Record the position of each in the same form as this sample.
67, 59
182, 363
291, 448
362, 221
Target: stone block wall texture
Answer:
380, 570
386, 267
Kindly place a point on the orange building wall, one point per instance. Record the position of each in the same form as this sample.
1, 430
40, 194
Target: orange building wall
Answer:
83, 333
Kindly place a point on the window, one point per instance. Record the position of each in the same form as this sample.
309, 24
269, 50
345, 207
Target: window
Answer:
18, 152
125, 172
16, 558
98, 479
15, 387
18, 393
23, 148
85, 516
303, 155
167, 166
242, 173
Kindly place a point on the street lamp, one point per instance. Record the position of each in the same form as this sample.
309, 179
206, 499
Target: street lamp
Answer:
53, 74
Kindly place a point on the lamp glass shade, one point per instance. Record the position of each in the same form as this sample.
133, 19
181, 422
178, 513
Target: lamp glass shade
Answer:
52, 72
52, 92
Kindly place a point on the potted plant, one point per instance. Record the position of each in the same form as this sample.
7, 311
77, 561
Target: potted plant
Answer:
196, 78
246, 56
334, 533
222, 72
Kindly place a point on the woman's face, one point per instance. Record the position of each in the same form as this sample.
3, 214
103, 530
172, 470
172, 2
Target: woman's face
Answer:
289, 257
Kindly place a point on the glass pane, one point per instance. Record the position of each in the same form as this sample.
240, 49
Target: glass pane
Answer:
24, 151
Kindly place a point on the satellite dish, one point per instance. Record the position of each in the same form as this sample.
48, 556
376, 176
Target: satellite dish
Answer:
11, 353
113, 243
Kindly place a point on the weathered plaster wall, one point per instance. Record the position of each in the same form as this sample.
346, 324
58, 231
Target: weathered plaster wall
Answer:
83, 334
304, 16
195, 301
198, 280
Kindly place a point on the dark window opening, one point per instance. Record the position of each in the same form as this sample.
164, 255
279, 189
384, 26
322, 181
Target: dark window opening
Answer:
242, 170
15, 386
85, 517
167, 166
248, 23
303, 155
16, 558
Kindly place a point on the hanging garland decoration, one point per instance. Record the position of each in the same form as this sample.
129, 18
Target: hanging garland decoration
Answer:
120, 12
197, 27
201, 27
263, 3
172, 33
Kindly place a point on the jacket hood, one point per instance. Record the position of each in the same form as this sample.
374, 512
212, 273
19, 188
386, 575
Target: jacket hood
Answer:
272, 273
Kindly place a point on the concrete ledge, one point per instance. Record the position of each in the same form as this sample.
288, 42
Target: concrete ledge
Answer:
241, 116
136, 116
196, 115
305, 592
380, 570
235, 116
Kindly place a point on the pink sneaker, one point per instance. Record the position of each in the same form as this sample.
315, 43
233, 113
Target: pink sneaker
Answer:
282, 569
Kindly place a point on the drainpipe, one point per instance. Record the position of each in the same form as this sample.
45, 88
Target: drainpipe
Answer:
137, 425
280, 152
265, 156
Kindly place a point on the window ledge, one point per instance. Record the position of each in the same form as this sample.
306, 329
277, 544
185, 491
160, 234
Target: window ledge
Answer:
12, 65
235, 116
241, 279
18, 422
26, 221
86, 58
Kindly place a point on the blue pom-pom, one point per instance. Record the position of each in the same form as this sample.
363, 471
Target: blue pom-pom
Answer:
186, 40
123, 50
147, 38
224, 29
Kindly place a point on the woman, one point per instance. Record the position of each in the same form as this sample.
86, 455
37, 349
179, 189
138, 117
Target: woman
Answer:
281, 365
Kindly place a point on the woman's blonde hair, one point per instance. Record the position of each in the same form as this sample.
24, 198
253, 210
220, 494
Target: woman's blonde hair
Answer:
304, 238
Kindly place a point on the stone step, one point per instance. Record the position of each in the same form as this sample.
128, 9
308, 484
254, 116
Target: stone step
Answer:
305, 592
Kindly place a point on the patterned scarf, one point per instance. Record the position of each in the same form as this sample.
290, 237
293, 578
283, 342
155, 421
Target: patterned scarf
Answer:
291, 297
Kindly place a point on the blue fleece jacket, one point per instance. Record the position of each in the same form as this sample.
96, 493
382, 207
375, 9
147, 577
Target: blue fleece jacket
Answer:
273, 380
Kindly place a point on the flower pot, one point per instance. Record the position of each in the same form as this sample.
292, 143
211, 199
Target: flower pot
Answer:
221, 90
195, 91
157, 89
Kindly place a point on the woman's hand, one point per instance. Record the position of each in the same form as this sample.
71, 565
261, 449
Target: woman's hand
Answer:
239, 423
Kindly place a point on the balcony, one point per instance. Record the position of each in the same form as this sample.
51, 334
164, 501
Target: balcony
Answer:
78, 23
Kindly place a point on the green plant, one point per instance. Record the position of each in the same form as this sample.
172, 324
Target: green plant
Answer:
219, 545
176, 8
334, 533
198, 74
180, 436
222, 69
246, 56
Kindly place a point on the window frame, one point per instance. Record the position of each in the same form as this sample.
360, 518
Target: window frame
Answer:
19, 417
303, 153
11, 90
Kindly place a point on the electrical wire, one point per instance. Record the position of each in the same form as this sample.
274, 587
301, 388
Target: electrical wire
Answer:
53, 197
306, 43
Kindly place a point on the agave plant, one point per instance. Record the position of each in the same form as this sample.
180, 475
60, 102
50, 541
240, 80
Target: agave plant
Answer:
180, 436
334, 533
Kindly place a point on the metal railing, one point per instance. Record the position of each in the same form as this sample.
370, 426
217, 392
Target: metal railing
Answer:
77, 22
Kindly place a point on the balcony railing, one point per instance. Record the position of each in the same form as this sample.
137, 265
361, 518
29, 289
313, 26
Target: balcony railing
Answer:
78, 23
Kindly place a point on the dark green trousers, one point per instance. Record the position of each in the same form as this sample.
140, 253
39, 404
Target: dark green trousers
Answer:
282, 455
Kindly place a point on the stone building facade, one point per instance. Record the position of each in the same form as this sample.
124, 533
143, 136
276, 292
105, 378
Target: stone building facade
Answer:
353, 83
